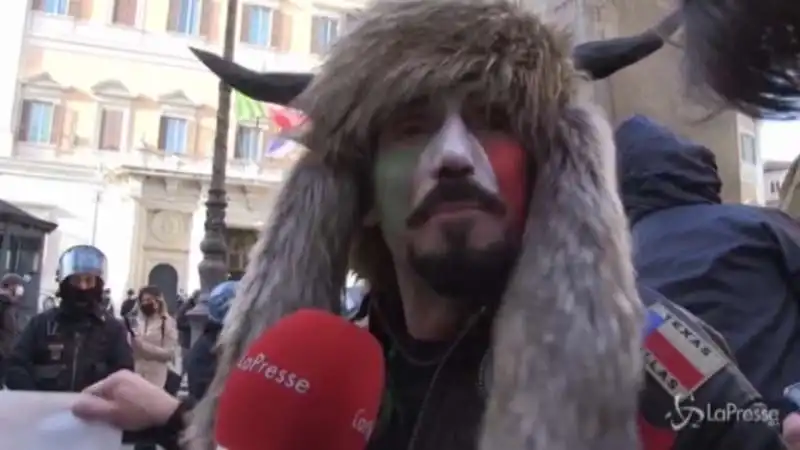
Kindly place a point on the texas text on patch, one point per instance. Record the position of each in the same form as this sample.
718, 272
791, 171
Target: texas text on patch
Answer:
677, 357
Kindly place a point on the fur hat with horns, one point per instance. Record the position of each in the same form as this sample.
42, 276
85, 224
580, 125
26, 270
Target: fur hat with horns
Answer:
567, 365
598, 59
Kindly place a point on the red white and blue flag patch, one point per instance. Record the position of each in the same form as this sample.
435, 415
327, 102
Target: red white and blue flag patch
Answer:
677, 357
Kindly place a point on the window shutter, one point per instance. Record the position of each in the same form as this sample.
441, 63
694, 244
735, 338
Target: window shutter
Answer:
237, 146
276, 27
191, 138
125, 12
75, 9
111, 130
57, 130
244, 31
205, 17
162, 133
24, 120
316, 30
266, 137
173, 15
69, 135
286, 32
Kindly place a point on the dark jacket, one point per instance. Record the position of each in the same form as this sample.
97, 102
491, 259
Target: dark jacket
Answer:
64, 353
737, 267
183, 324
424, 398
201, 362
8, 331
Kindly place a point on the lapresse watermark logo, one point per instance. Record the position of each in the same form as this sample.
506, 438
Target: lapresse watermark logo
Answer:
690, 416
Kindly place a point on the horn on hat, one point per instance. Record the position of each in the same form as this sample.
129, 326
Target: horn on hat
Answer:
603, 58
279, 88
599, 59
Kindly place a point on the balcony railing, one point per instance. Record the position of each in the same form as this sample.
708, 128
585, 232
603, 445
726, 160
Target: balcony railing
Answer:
264, 171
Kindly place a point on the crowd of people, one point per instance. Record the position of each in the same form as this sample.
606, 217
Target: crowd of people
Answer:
515, 280
80, 341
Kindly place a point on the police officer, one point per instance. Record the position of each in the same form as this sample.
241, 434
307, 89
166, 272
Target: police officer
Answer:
76, 344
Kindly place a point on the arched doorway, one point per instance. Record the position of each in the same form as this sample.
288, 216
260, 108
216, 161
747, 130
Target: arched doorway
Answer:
165, 277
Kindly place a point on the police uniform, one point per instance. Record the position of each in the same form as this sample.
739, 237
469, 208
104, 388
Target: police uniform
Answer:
66, 352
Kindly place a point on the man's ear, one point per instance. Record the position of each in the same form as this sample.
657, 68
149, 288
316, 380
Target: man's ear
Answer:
371, 218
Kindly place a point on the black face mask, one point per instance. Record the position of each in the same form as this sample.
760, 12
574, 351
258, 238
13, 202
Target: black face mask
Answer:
148, 309
79, 300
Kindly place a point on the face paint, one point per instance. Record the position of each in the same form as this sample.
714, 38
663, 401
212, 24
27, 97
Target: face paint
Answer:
455, 146
508, 163
394, 174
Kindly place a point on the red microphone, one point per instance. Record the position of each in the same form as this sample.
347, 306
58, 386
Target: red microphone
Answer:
313, 381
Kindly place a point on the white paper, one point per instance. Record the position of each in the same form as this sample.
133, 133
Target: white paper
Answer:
44, 421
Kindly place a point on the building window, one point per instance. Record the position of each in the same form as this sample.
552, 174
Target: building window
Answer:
59, 7
39, 122
185, 16
240, 242
747, 148
324, 31
111, 123
249, 142
173, 135
257, 25
125, 12
774, 186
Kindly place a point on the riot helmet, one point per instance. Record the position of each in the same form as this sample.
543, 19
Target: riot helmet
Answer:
81, 276
81, 260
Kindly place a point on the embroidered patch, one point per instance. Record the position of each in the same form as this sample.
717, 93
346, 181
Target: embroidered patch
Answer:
55, 351
678, 358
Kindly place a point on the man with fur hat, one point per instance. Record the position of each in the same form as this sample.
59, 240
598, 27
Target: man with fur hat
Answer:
452, 166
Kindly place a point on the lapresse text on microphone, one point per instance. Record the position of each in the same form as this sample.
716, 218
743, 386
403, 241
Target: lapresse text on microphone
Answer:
313, 381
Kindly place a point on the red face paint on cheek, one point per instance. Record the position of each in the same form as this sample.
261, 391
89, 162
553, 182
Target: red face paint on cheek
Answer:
507, 159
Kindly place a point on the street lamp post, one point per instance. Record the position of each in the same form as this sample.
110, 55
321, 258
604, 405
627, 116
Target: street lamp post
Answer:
213, 268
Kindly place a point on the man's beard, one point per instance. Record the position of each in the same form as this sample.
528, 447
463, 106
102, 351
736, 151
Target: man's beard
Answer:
74, 299
474, 278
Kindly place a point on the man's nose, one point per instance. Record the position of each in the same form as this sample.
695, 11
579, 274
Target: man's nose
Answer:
84, 284
454, 166
453, 152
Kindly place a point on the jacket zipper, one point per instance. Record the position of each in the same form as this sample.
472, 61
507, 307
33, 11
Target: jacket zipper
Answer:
418, 424
75, 354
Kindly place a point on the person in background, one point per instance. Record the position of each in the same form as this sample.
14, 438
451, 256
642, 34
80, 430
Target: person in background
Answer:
73, 345
184, 326
202, 358
736, 267
154, 338
12, 288
129, 304
107, 304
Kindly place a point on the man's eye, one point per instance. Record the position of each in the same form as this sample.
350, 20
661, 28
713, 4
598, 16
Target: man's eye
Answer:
412, 127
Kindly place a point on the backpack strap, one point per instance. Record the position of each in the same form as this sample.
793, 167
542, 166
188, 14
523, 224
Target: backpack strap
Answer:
163, 328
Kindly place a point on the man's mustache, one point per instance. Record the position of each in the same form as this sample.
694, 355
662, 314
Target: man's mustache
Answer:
450, 191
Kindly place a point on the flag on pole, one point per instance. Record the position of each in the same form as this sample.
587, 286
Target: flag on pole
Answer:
246, 109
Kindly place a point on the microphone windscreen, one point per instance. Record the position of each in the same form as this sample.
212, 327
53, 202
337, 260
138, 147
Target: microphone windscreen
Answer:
313, 381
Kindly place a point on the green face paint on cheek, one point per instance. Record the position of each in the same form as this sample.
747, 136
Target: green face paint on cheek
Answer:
393, 174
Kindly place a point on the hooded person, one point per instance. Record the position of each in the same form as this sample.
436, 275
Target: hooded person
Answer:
737, 267
75, 344
451, 165
202, 357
